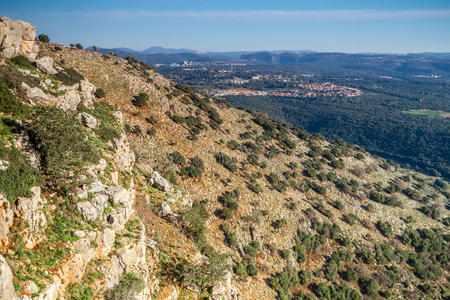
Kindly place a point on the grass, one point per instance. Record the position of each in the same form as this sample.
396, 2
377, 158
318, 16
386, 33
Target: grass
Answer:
9, 103
428, 113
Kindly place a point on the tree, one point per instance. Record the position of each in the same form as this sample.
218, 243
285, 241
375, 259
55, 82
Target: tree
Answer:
44, 38
78, 46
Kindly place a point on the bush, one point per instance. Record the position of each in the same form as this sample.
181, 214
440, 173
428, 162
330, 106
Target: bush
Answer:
369, 286
68, 77
99, 93
177, 158
230, 236
129, 286
191, 171
305, 277
9, 103
22, 62
44, 38
226, 161
109, 127
19, 177
78, 46
63, 143
197, 162
385, 228
351, 274
140, 100
350, 218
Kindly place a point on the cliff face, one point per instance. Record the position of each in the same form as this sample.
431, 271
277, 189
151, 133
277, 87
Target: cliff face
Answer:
117, 183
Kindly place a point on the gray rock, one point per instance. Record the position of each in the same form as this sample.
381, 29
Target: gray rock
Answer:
35, 94
124, 157
17, 37
118, 195
70, 100
164, 210
159, 182
30, 288
45, 64
31, 210
94, 187
6, 220
4, 165
7, 291
88, 120
88, 210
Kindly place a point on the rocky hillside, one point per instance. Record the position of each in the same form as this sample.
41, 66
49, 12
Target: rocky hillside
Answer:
116, 183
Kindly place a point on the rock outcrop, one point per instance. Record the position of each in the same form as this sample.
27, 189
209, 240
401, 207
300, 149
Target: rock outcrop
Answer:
45, 64
7, 291
17, 38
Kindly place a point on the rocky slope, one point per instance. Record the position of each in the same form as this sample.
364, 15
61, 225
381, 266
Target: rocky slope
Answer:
117, 183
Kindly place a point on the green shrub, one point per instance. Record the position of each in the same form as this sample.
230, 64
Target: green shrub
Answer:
78, 46
177, 158
369, 286
230, 236
283, 281
44, 38
385, 228
19, 177
226, 161
109, 127
305, 277
129, 286
10, 104
351, 274
191, 171
63, 143
22, 62
99, 93
68, 77
140, 100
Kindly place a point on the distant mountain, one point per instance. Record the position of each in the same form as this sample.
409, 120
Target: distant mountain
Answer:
162, 50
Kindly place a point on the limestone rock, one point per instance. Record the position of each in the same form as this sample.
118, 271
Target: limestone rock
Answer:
124, 157
88, 120
30, 287
31, 210
6, 220
164, 210
4, 165
87, 93
224, 290
7, 291
118, 195
45, 64
159, 182
70, 100
35, 93
87, 210
94, 187
17, 38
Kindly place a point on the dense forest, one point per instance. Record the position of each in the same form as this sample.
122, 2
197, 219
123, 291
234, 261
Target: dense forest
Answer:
376, 120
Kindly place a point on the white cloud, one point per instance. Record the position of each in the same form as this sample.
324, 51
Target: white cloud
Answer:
270, 15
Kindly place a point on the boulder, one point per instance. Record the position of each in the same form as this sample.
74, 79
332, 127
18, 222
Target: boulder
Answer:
6, 220
70, 100
30, 288
124, 157
164, 210
4, 165
159, 182
88, 210
224, 290
88, 120
35, 93
7, 291
94, 187
87, 93
45, 64
118, 195
31, 210
17, 38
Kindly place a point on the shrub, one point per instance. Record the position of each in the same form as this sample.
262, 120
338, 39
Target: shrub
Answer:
68, 77
226, 161
283, 281
99, 93
351, 274
177, 158
78, 46
140, 100
197, 162
230, 236
9, 103
19, 177
109, 127
44, 38
385, 228
63, 143
22, 62
305, 277
191, 171
350, 218
129, 286
369, 286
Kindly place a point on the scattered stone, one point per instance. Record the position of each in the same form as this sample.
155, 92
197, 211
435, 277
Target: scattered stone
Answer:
47, 82
159, 182
164, 210
30, 288
70, 100
4, 165
80, 233
88, 120
7, 291
118, 195
45, 64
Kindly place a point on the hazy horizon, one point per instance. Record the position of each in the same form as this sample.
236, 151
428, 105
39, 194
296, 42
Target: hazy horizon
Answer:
348, 26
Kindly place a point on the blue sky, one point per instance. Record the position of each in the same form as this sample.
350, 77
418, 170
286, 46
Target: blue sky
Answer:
399, 26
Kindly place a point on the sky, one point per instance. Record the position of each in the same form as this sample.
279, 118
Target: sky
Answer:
384, 26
